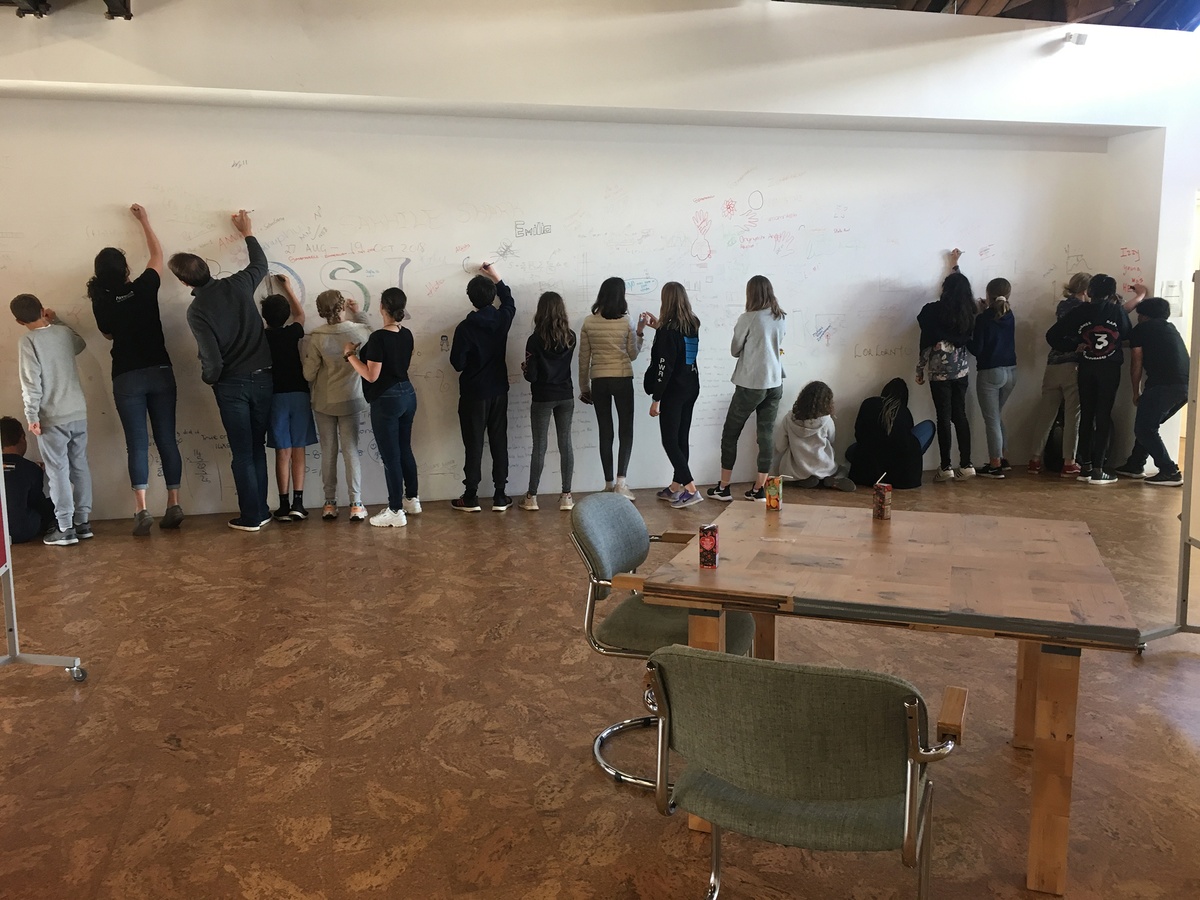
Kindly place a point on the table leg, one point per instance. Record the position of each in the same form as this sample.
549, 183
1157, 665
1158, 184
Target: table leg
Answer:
1053, 768
1028, 653
706, 631
764, 635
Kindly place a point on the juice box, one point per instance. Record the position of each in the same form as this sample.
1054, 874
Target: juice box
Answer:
881, 507
710, 546
774, 491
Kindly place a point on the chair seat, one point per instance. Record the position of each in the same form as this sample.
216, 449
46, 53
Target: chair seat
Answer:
640, 627
872, 824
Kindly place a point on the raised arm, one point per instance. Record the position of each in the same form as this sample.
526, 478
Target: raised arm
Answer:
1139, 294
152, 245
285, 285
256, 269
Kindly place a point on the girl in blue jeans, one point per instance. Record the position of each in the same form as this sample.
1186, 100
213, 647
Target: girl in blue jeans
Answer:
143, 381
383, 364
994, 346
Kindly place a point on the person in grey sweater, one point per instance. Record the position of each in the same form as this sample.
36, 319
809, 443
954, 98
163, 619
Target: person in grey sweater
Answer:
236, 360
57, 413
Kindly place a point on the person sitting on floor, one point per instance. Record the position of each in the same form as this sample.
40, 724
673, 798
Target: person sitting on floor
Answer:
804, 442
887, 444
30, 512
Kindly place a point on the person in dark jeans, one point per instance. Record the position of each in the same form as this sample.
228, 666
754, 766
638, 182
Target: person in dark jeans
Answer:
477, 354
127, 314
30, 512
1156, 347
236, 360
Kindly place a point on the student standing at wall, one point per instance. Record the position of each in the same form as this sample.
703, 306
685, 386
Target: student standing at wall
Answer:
1097, 329
994, 346
292, 429
547, 368
758, 385
143, 380
946, 327
608, 346
673, 381
383, 364
478, 355
1156, 348
337, 398
1060, 387
236, 361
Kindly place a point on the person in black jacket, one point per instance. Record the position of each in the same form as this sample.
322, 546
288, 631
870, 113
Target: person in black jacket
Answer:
886, 443
547, 367
29, 511
1096, 329
477, 354
673, 381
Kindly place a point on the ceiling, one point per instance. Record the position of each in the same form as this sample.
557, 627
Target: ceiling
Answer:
1174, 15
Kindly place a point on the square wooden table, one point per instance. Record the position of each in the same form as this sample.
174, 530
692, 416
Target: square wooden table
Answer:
1040, 582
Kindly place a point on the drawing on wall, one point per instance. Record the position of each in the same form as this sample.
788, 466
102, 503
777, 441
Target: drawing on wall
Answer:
505, 251
640, 285
701, 248
826, 326
729, 208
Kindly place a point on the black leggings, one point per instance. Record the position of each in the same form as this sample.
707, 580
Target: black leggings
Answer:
675, 424
1098, 383
950, 401
604, 392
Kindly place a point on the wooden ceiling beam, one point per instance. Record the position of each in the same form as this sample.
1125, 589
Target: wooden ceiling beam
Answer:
906, 4
1078, 10
993, 7
968, 7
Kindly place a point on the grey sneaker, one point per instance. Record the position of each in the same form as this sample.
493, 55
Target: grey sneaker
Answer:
172, 518
56, 538
686, 498
624, 492
142, 523
83, 531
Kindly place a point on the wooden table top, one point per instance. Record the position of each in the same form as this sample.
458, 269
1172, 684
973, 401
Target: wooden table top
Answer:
1032, 579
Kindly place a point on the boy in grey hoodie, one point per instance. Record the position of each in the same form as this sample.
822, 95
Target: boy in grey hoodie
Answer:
57, 413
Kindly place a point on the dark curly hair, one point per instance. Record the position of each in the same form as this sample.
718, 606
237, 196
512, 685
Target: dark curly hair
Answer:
815, 400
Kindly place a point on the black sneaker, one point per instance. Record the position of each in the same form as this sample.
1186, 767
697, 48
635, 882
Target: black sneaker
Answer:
142, 522
83, 531
297, 511
1005, 465
1166, 479
757, 494
501, 502
1128, 471
283, 514
720, 492
56, 538
990, 471
172, 518
466, 504
239, 525
1099, 477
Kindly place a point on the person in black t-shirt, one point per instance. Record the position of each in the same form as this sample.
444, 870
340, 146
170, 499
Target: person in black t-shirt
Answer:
29, 512
1155, 347
291, 427
143, 381
383, 364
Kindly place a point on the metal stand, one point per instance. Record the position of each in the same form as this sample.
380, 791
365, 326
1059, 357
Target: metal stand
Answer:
70, 663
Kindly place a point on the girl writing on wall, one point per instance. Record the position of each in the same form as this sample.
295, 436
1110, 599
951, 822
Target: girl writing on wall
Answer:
547, 368
994, 346
1060, 388
673, 381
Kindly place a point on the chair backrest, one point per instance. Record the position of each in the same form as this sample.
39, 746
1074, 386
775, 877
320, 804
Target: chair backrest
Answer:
611, 534
788, 731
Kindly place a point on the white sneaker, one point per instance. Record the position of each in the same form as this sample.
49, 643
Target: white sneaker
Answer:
412, 505
389, 518
966, 472
529, 502
566, 502
358, 512
943, 475
624, 492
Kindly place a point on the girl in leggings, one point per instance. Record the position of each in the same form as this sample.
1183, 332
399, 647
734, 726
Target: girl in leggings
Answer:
608, 346
758, 385
946, 327
674, 382
143, 381
547, 368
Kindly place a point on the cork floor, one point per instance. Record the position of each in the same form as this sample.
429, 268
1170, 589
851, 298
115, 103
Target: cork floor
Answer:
327, 710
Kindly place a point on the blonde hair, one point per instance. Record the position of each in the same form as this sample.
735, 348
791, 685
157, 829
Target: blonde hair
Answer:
676, 311
998, 291
330, 306
1077, 285
760, 295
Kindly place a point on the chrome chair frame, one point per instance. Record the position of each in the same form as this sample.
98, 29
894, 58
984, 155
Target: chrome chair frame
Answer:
917, 849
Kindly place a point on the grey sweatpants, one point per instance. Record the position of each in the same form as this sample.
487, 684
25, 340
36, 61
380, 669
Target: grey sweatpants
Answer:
340, 433
64, 451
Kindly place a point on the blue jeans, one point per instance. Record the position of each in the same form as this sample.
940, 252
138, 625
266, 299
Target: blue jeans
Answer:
245, 405
392, 416
142, 392
924, 433
1157, 405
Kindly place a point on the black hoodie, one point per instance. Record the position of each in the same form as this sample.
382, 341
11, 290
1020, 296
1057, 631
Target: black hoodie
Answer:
480, 341
878, 452
548, 370
1098, 328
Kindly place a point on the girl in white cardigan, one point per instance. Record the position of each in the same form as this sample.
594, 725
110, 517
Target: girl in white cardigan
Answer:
805, 441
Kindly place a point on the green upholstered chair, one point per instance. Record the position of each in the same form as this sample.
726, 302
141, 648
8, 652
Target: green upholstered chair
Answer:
612, 538
825, 759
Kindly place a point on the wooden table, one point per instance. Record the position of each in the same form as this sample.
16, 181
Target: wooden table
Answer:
1040, 582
